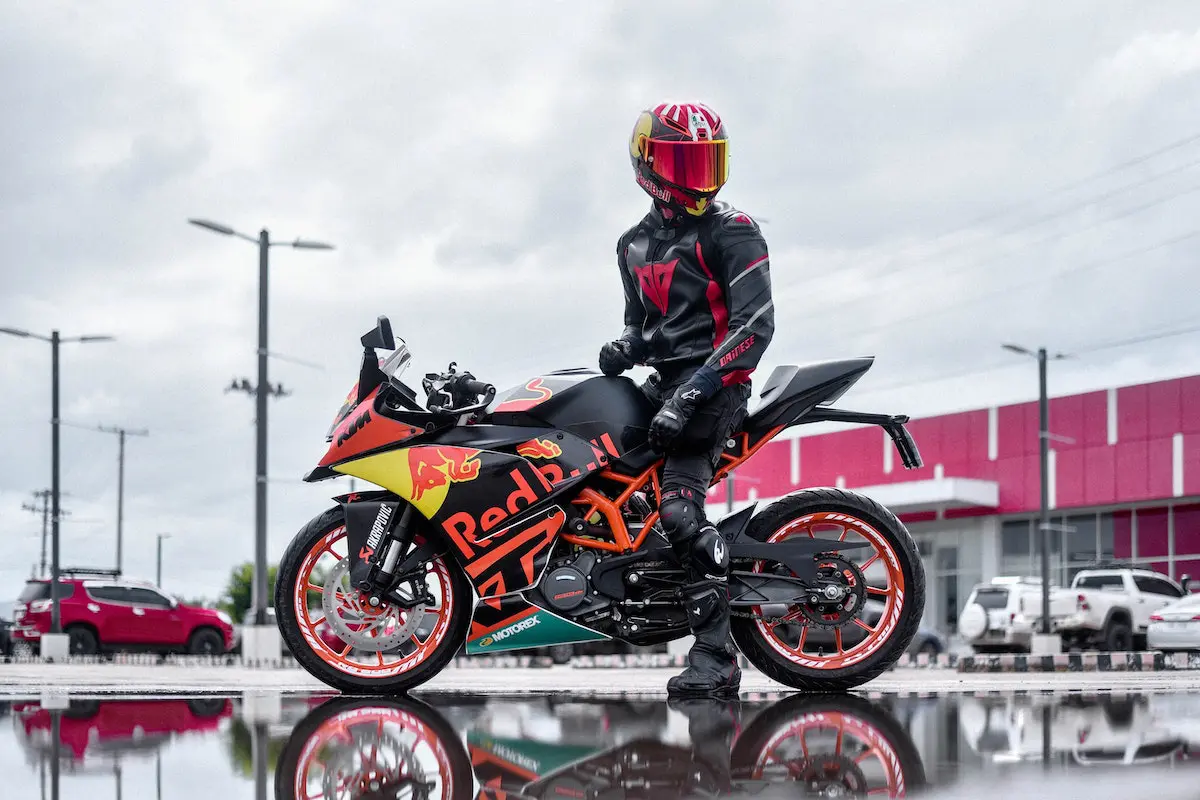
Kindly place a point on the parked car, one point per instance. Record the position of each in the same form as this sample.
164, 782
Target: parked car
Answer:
1112, 607
103, 612
1175, 626
1107, 609
993, 620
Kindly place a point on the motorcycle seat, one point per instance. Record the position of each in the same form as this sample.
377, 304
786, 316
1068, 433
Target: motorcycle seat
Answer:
793, 390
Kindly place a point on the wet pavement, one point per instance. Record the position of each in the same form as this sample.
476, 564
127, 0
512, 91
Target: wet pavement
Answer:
475, 746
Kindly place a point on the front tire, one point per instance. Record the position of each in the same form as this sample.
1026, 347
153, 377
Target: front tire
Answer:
816, 512
206, 642
320, 548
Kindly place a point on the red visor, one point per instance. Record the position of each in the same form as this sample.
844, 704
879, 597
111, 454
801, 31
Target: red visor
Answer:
697, 166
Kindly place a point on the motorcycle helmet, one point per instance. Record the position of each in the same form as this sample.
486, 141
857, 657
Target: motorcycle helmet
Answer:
680, 155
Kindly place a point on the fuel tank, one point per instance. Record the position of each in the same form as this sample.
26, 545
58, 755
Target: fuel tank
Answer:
587, 404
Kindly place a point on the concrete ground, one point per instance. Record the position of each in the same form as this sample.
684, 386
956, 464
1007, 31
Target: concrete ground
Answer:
26, 680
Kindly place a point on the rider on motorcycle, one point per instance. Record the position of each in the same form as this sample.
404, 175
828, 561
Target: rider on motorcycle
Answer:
698, 310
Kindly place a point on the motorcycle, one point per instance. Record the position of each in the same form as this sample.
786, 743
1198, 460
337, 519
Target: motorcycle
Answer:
804, 746
528, 518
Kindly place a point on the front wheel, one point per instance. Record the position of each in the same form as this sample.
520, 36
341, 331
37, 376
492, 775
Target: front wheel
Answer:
824, 648
341, 640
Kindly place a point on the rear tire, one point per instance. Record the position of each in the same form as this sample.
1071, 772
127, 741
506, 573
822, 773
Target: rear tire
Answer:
816, 674
82, 641
1118, 638
318, 658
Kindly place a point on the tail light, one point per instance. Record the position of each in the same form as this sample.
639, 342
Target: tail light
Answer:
1159, 618
39, 606
1196, 618
1012, 618
1081, 603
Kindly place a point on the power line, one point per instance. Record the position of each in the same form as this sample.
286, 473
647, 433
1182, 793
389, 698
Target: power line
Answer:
1140, 339
1129, 212
1148, 337
958, 303
931, 257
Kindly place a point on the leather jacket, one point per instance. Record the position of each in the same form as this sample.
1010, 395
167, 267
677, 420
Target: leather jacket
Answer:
697, 296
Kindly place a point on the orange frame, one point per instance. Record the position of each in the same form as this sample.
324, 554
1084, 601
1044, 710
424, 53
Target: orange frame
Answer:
595, 502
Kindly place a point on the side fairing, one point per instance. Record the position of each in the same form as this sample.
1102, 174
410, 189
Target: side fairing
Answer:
362, 430
489, 505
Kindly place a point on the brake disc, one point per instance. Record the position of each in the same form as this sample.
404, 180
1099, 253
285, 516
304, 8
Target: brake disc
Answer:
361, 625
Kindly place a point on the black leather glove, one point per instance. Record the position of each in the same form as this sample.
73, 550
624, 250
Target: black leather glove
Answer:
670, 420
615, 357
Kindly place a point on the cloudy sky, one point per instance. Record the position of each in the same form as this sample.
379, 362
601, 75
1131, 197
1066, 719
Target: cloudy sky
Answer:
931, 184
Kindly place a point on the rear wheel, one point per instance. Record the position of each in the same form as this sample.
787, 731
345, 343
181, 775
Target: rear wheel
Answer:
349, 645
886, 570
82, 641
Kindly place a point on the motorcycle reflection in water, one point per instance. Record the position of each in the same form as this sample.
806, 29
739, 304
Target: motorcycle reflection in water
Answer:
807, 745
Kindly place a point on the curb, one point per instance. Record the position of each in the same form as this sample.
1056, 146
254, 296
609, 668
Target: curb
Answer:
1081, 662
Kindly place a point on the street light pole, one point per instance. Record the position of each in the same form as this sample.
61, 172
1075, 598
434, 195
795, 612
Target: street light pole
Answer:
55, 489
55, 611
261, 392
259, 591
1044, 458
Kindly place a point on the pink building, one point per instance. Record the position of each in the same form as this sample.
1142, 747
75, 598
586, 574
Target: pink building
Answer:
1124, 478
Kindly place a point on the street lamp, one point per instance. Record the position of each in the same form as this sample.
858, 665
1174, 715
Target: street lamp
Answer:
158, 568
1044, 454
261, 392
55, 340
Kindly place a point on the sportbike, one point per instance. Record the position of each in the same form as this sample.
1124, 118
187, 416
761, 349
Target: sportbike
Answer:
528, 518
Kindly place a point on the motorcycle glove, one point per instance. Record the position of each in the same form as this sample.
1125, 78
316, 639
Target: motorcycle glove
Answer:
615, 357
675, 413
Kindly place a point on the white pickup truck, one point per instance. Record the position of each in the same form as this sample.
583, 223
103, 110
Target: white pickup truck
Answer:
1108, 609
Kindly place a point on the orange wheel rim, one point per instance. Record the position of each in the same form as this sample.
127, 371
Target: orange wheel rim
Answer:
307, 598
833, 747
797, 648
381, 745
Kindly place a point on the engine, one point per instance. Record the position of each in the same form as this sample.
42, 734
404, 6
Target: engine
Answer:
566, 587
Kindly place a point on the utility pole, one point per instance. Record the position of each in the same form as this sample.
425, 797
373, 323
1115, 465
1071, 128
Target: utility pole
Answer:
121, 433
44, 496
158, 561
261, 390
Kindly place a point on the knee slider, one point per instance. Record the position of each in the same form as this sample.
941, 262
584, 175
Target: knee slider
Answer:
710, 554
680, 518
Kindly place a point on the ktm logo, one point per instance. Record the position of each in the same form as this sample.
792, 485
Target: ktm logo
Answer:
355, 426
655, 280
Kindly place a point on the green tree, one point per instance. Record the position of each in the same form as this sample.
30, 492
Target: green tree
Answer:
238, 592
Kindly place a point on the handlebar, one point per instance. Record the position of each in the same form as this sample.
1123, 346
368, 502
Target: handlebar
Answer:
472, 386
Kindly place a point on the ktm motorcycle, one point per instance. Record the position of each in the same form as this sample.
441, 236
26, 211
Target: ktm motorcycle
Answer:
819, 746
528, 518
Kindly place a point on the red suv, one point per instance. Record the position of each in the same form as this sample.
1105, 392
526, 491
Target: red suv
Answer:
103, 612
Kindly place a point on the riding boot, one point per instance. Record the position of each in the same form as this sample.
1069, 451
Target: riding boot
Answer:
712, 668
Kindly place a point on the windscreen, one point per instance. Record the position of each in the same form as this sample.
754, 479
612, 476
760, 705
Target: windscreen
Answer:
992, 598
40, 590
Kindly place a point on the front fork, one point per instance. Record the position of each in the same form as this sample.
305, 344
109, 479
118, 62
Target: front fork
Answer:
380, 529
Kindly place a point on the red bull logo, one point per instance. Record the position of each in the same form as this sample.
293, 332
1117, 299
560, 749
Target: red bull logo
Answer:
434, 467
539, 448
